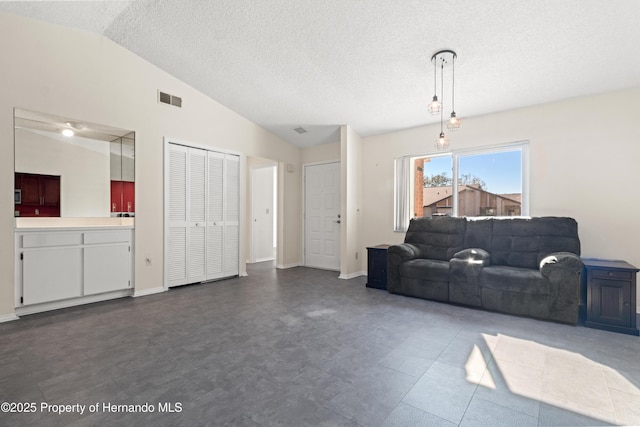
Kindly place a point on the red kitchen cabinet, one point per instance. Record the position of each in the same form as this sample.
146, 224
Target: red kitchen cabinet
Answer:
39, 194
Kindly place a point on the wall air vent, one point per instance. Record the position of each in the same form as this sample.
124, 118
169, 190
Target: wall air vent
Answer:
166, 98
300, 130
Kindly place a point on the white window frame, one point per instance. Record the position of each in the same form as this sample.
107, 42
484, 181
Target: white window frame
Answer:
401, 224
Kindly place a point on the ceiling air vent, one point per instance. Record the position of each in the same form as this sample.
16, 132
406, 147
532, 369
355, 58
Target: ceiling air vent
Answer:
166, 98
300, 130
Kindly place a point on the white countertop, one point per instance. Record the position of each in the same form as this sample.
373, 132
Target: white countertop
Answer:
31, 223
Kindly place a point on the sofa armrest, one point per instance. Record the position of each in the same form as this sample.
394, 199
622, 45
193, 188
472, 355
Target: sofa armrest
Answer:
396, 255
563, 270
475, 256
554, 262
404, 252
464, 272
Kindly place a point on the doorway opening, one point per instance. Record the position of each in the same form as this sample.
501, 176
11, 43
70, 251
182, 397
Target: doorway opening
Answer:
263, 197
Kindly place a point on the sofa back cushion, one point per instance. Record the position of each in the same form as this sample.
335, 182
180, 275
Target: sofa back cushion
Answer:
479, 234
438, 238
521, 242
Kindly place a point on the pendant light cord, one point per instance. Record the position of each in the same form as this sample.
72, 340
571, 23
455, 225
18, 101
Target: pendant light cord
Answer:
441, 94
435, 73
453, 84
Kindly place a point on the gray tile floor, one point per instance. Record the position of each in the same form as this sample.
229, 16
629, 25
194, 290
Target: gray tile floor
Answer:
300, 347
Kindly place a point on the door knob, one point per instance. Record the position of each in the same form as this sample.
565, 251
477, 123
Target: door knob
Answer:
337, 222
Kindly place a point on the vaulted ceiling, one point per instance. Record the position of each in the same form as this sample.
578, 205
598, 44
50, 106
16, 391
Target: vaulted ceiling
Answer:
319, 64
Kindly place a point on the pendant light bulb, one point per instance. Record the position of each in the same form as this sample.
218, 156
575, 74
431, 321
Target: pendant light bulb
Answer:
454, 122
442, 143
434, 106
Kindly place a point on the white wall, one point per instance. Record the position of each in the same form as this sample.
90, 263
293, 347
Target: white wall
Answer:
584, 164
84, 76
329, 152
85, 186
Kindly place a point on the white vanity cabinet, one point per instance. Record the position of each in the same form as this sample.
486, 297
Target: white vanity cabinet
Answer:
62, 267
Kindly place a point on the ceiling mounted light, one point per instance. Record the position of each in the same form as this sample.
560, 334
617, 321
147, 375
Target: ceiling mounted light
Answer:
444, 58
76, 126
67, 132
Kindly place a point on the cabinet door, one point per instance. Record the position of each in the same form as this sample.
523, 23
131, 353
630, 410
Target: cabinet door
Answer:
30, 190
107, 268
377, 268
50, 190
51, 275
129, 197
117, 188
610, 302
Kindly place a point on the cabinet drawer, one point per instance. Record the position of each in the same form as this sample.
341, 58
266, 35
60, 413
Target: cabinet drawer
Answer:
113, 236
611, 274
51, 239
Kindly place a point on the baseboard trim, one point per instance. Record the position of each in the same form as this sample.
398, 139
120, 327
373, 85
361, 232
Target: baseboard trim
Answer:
8, 318
352, 275
284, 266
56, 305
152, 291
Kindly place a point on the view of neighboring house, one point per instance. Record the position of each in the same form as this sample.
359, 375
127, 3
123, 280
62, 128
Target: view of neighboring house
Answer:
472, 199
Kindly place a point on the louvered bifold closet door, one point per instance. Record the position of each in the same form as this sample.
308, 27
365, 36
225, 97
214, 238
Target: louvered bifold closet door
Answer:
177, 216
197, 202
203, 215
232, 215
215, 215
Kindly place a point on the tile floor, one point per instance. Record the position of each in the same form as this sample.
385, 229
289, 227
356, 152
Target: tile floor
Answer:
300, 347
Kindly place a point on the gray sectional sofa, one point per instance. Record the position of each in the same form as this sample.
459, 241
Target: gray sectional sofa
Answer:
528, 267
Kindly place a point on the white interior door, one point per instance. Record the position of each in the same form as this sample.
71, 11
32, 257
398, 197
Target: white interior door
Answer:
196, 220
262, 206
231, 266
215, 215
322, 216
176, 255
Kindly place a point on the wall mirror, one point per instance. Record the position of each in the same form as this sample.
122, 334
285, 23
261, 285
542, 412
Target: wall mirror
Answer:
72, 168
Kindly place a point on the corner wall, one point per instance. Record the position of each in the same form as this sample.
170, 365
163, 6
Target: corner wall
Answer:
351, 248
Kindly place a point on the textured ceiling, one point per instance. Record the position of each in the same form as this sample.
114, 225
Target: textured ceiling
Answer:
366, 63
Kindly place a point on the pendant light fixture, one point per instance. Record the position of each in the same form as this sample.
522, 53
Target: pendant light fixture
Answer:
454, 121
444, 58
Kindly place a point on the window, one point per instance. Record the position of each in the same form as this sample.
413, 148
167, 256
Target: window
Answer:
492, 181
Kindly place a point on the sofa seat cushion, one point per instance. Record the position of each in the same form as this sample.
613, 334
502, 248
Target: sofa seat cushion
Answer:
426, 269
514, 279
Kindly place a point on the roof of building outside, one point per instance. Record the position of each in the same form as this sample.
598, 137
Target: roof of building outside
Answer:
433, 195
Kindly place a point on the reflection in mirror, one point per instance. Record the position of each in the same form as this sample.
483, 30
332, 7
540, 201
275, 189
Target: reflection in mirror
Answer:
123, 176
69, 168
